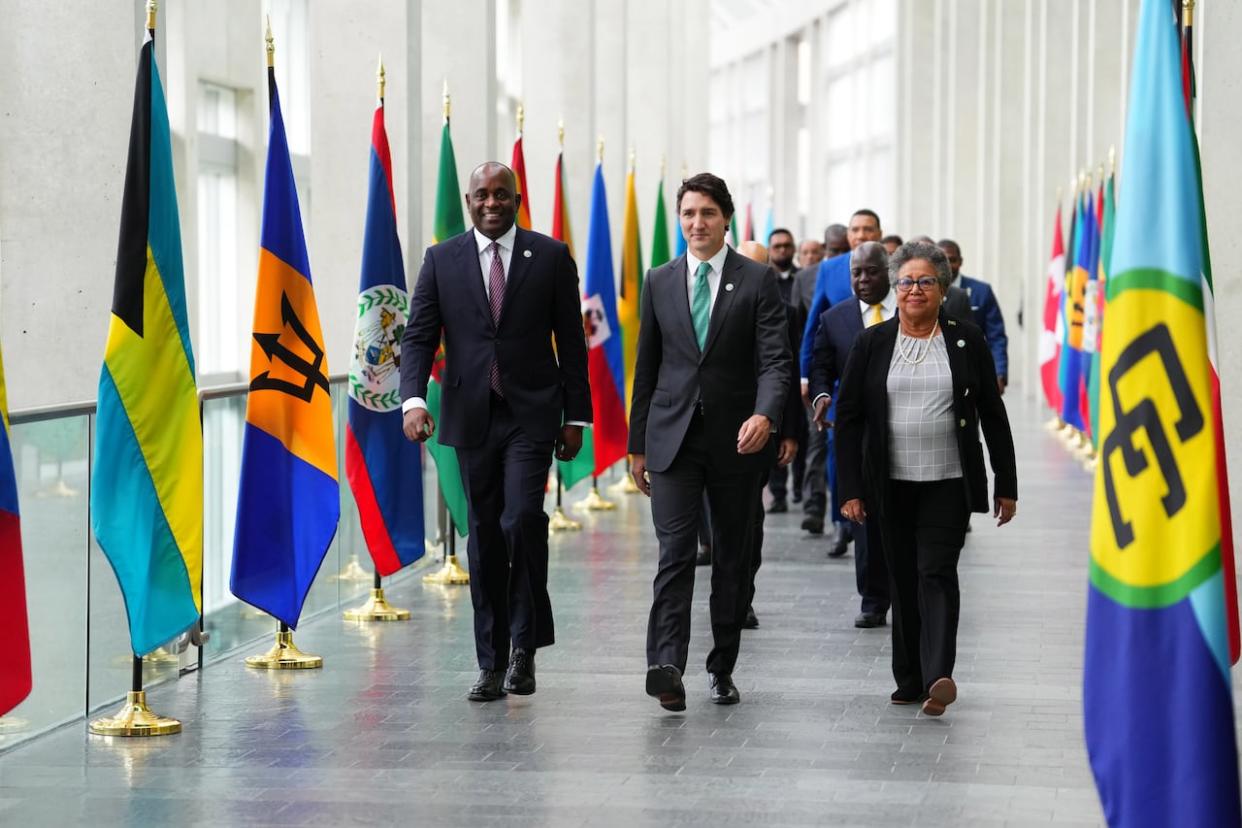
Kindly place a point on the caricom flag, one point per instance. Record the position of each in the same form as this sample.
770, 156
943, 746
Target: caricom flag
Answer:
288, 501
1158, 707
384, 469
147, 475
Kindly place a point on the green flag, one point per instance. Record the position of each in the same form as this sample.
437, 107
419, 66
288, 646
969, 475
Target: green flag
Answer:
659, 233
449, 222
733, 229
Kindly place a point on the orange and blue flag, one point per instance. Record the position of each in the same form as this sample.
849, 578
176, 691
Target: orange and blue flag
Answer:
15, 678
384, 469
1158, 705
288, 501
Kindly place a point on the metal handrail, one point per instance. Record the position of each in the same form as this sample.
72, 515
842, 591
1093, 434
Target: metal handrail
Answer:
86, 408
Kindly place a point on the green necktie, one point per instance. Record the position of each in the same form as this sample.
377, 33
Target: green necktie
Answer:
700, 305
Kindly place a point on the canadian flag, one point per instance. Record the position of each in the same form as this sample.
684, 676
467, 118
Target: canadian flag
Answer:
1053, 331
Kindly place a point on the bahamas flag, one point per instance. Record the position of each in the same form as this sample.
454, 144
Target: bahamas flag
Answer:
14, 627
288, 500
385, 470
147, 478
631, 285
581, 467
604, 357
1156, 688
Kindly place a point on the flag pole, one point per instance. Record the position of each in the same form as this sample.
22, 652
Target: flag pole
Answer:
561, 522
376, 607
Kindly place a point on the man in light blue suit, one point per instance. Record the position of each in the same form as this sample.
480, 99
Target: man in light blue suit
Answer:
986, 310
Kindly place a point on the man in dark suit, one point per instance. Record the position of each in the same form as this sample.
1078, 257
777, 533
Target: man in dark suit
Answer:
780, 255
985, 309
499, 294
710, 381
839, 326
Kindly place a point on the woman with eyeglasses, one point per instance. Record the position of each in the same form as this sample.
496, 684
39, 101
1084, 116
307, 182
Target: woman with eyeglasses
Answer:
915, 392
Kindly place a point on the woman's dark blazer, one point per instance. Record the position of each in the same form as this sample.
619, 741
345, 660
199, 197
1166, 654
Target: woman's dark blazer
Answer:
862, 416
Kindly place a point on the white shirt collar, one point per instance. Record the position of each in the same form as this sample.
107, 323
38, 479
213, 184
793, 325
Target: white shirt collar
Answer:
506, 241
716, 261
889, 303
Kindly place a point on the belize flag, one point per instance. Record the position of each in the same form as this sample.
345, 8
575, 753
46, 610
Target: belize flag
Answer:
605, 365
288, 500
384, 469
1158, 706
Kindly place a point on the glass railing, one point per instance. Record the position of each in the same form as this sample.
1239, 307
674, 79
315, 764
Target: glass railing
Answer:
79, 636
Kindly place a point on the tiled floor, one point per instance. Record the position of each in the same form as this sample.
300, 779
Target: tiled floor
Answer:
383, 735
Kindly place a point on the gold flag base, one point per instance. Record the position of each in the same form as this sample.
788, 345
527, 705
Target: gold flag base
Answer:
561, 522
625, 485
450, 573
12, 724
595, 502
377, 608
58, 489
353, 572
284, 655
135, 719
1054, 424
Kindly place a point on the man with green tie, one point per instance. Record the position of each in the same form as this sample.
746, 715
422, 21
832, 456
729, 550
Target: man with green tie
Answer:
710, 384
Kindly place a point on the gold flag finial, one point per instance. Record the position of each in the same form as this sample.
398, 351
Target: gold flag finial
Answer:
663, 161
1086, 177
1188, 12
685, 171
152, 8
599, 149
448, 104
1099, 170
633, 159
521, 118
1112, 159
560, 132
381, 77
271, 43
1058, 196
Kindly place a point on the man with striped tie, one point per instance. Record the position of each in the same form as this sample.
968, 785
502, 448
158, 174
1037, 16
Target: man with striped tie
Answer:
839, 326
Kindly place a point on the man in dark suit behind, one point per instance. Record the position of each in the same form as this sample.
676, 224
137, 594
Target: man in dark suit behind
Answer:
710, 381
499, 294
839, 326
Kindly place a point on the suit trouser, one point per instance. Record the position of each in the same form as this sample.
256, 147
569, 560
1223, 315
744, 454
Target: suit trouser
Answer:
870, 569
924, 528
814, 481
756, 550
508, 546
676, 511
780, 476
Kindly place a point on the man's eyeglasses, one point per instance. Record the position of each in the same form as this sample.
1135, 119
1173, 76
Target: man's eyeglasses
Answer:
925, 283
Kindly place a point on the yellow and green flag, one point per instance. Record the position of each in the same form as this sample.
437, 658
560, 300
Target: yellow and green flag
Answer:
147, 479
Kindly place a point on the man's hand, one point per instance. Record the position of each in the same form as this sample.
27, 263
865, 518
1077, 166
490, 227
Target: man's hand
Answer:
569, 443
753, 435
638, 468
786, 452
1004, 510
1001, 384
854, 510
418, 425
820, 415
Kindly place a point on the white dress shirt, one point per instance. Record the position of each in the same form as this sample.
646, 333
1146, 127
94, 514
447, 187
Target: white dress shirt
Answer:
506, 244
888, 307
713, 276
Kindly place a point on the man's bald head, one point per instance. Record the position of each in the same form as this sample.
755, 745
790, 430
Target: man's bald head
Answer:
869, 272
492, 199
491, 168
754, 251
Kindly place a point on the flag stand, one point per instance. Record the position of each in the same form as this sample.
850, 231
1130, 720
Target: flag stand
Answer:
451, 572
12, 724
561, 522
135, 718
594, 501
284, 655
377, 607
626, 484
353, 571
1055, 424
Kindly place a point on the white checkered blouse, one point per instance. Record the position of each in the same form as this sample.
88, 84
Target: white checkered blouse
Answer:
922, 433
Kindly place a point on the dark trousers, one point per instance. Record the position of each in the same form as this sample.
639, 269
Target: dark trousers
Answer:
677, 512
508, 545
781, 478
870, 569
814, 480
756, 544
924, 528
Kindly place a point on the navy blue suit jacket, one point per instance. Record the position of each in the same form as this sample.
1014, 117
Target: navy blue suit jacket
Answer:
839, 327
987, 315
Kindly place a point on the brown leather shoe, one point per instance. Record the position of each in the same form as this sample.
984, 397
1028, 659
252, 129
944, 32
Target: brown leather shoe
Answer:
940, 695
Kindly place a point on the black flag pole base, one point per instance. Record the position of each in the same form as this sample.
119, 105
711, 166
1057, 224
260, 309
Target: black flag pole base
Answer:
377, 607
352, 572
135, 718
561, 522
450, 573
284, 655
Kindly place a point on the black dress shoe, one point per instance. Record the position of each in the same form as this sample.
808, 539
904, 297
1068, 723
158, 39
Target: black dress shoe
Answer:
520, 679
778, 507
704, 557
489, 687
797, 496
721, 689
868, 620
664, 683
840, 543
907, 697
752, 620
813, 524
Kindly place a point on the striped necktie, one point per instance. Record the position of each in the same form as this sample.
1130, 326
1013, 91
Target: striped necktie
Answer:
496, 298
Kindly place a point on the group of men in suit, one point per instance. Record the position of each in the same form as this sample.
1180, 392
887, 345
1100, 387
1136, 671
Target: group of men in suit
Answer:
715, 410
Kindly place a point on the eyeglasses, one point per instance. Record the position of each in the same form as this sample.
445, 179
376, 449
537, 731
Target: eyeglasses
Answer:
905, 285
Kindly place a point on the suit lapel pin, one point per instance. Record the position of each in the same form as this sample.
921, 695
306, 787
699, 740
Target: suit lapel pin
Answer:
961, 343
729, 286
526, 253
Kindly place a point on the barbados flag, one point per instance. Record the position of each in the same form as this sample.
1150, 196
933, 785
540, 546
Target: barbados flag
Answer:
605, 366
14, 628
147, 478
1156, 688
288, 501
384, 469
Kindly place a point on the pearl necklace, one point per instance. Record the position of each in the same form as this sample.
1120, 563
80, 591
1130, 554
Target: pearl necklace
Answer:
913, 350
